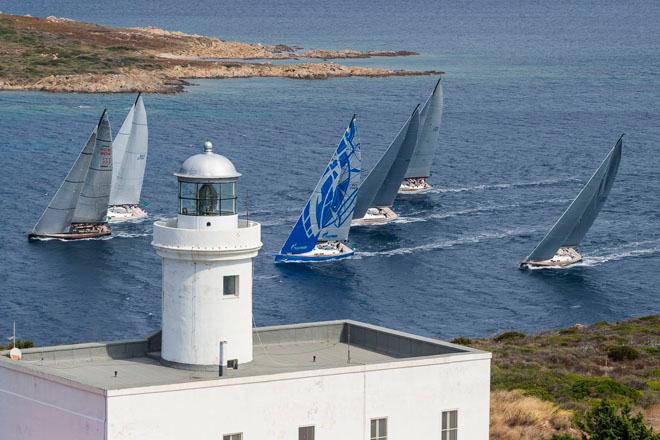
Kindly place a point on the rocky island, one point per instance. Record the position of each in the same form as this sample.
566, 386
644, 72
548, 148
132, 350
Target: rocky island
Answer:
63, 55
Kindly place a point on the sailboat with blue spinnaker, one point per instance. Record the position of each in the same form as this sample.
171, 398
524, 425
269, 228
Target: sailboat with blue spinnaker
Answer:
323, 226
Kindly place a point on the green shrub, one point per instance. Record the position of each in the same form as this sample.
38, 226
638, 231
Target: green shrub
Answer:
461, 341
508, 336
563, 437
622, 353
602, 387
21, 343
607, 422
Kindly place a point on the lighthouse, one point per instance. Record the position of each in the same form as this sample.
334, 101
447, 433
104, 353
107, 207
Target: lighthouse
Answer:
207, 256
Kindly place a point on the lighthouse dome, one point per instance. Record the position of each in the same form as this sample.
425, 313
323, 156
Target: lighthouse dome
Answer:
207, 165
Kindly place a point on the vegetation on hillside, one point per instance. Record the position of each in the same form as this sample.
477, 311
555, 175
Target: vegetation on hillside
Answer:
63, 55
578, 368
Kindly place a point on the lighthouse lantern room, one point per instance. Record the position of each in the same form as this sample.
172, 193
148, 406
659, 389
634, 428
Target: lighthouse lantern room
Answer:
207, 254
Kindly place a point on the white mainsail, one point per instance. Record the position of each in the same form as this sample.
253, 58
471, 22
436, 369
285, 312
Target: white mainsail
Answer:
127, 180
57, 217
429, 135
118, 149
92, 203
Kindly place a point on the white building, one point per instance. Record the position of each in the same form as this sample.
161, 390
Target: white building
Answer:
210, 375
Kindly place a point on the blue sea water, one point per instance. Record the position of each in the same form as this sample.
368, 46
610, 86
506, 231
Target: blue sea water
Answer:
536, 93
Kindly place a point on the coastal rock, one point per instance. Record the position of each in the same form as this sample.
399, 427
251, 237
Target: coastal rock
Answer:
90, 58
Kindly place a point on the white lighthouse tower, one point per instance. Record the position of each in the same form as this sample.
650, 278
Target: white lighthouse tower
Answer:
207, 257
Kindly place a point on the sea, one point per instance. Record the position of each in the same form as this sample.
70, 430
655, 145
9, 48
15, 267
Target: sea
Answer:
536, 94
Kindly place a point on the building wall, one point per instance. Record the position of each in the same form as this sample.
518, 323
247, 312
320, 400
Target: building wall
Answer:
339, 405
35, 408
197, 316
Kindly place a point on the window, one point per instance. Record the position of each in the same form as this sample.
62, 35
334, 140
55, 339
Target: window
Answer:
207, 198
449, 425
306, 433
230, 285
378, 429
238, 436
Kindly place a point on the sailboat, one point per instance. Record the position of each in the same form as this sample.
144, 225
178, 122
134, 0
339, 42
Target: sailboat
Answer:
129, 161
78, 208
322, 228
558, 247
379, 189
419, 170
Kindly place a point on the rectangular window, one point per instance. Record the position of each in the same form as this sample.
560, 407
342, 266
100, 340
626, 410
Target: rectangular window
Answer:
450, 425
306, 433
238, 436
188, 190
188, 207
230, 285
228, 206
378, 429
229, 190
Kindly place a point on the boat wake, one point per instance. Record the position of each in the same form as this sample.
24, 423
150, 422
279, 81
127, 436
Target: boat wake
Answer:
446, 244
631, 250
547, 182
129, 235
477, 210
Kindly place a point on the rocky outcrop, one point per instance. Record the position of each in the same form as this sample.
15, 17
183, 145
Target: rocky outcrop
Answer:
84, 57
173, 79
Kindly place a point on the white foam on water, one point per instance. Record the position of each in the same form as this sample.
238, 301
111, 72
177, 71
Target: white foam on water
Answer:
503, 185
629, 250
446, 244
480, 209
129, 235
596, 260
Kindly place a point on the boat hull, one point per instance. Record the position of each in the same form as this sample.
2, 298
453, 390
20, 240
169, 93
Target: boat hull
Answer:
124, 213
376, 216
78, 232
414, 185
563, 258
321, 253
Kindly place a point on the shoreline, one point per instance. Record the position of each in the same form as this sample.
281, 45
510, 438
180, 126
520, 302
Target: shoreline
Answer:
61, 55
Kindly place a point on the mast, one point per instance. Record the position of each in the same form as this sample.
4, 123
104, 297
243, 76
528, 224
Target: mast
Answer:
429, 134
59, 213
380, 187
128, 184
92, 203
575, 222
329, 210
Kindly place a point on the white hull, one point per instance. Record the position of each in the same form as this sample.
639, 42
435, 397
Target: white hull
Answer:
376, 216
323, 251
565, 256
414, 185
124, 213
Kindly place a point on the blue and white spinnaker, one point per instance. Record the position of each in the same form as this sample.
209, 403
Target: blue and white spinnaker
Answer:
325, 221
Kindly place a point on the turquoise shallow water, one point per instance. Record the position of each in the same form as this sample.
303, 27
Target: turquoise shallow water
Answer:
535, 96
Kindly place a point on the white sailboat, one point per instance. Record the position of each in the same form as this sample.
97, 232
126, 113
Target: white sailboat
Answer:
323, 226
129, 161
419, 170
78, 208
559, 247
379, 189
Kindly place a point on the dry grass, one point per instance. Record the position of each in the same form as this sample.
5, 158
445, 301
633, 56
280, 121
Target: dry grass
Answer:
515, 416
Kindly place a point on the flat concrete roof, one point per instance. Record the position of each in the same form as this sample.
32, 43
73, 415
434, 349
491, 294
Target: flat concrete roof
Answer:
277, 350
